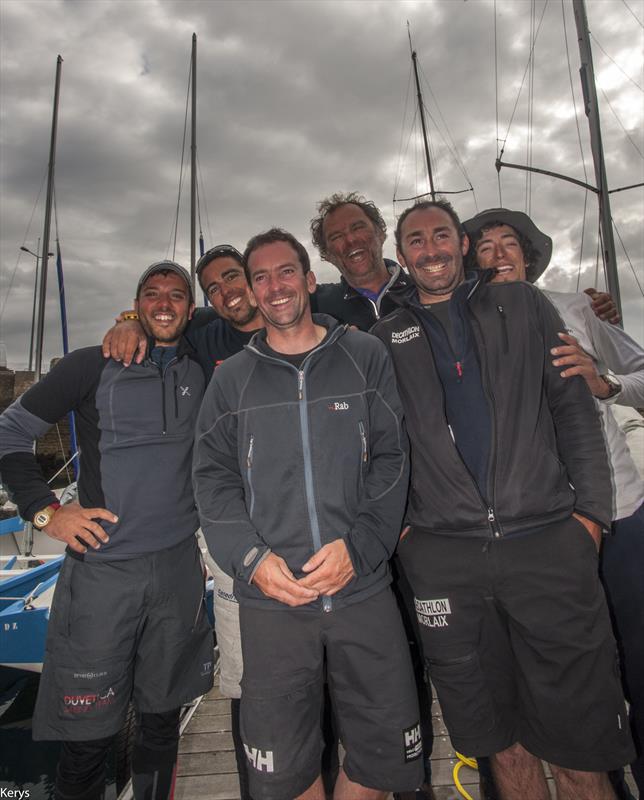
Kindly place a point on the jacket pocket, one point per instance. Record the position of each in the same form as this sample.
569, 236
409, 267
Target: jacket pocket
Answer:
463, 694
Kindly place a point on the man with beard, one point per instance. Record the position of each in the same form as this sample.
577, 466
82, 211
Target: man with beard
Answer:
301, 478
501, 551
509, 243
128, 621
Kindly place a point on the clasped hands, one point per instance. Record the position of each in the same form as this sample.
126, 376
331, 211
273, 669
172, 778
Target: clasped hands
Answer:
328, 570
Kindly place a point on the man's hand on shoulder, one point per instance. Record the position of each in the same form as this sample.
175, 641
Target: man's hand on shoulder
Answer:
330, 569
593, 529
276, 580
603, 306
125, 341
576, 361
72, 521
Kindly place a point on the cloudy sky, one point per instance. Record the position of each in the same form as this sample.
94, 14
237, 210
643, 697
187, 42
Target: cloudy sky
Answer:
296, 100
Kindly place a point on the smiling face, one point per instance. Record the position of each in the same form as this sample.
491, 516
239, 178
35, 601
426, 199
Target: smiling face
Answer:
164, 307
499, 248
353, 244
279, 286
432, 251
225, 286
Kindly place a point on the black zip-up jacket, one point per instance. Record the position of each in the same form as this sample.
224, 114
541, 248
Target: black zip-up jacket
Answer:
349, 306
546, 434
288, 460
135, 430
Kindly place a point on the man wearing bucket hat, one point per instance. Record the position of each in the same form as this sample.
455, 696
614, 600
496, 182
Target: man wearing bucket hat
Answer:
128, 621
501, 549
612, 364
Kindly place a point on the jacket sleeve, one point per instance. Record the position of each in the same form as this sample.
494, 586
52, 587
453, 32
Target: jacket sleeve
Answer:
580, 441
621, 354
232, 539
31, 416
375, 532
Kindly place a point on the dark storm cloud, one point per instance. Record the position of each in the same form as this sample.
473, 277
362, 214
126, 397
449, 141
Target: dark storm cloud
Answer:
296, 100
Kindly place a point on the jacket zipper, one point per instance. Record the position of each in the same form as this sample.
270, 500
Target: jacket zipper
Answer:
363, 439
327, 603
249, 474
162, 373
490, 513
493, 522
504, 327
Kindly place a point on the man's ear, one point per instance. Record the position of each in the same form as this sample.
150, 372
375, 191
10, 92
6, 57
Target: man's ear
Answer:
465, 244
401, 258
191, 310
251, 298
311, 281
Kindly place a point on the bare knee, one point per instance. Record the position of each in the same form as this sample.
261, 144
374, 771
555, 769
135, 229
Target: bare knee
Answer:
582, 785
512, 757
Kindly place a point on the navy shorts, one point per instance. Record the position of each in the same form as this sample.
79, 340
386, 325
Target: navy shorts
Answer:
125, 631
519, 645
371, 682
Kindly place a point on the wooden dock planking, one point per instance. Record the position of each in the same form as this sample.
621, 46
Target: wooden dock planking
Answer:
207, 769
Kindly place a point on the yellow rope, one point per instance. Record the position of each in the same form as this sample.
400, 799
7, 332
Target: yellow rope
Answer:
463, 761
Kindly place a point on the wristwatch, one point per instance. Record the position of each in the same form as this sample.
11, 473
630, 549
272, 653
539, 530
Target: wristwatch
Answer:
614, 386
43, 517
129, 315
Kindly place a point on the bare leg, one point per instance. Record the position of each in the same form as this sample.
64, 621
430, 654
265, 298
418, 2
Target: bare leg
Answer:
518, 774
575, 785
348, 790
314, 792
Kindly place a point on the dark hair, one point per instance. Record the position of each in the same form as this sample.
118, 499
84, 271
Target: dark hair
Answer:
337, 200
219, 251
442, 204
271, 236
531, 254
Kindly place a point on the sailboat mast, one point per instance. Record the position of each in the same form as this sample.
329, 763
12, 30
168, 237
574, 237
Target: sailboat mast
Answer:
421, 110
193, 163
40, 327
589, 89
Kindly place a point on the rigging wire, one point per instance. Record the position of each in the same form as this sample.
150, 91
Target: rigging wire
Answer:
579, 141
402, 130
13, 273
639, 21
619, 122
528, 175
630, 263
525, 72
616, 64
205, 203
496, 104
174, 228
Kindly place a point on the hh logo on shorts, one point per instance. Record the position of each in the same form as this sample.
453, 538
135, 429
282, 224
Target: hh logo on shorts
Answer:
413, 743
433, 613
262, 761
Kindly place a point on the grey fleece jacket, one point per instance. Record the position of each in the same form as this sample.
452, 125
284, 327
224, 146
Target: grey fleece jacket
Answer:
287, 460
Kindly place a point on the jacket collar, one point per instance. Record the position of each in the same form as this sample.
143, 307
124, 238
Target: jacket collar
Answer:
474, 279
335, 330
398, 279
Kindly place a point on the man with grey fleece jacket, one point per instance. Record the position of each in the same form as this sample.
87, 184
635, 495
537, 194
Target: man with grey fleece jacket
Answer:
300, 473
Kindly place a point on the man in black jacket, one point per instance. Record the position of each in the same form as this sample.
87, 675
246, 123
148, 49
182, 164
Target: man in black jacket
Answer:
128, 620
301, 479
510, 494
349, 232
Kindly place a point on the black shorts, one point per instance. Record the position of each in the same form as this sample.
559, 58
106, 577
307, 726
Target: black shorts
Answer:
372, 691
519, 645
133, 630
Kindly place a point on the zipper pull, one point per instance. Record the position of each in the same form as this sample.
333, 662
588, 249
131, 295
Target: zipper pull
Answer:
459, 369
300, 384
249, 457
490, 515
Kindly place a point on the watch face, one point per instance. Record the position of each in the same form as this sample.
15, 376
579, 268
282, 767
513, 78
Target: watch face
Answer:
43, 517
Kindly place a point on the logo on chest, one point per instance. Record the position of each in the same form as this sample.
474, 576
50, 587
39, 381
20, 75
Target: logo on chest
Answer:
402, 337
341, 406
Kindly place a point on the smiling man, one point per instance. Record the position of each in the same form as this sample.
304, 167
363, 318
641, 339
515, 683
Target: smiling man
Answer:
300, 475
501, 551
349, 232
612, 364
128, 623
